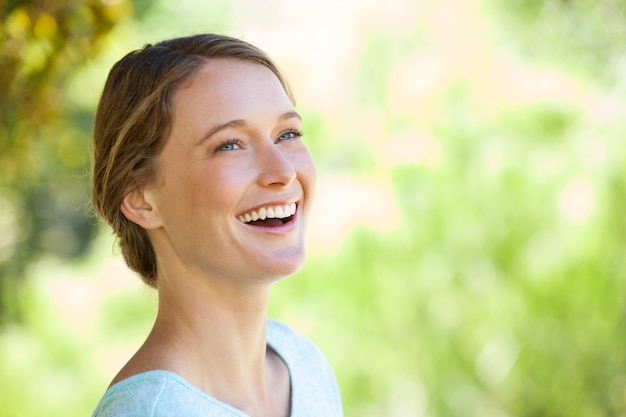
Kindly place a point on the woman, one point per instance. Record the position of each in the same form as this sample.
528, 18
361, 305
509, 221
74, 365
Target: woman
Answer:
200, 169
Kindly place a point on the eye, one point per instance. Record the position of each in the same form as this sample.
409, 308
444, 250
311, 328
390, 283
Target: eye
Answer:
289, 135
229, 145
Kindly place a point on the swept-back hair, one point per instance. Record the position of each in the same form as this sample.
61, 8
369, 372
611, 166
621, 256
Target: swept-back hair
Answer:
132, 123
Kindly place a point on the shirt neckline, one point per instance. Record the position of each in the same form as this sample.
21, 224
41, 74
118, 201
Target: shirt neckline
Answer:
174, 376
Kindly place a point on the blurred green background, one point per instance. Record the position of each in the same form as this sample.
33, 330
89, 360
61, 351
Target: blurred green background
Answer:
467, 255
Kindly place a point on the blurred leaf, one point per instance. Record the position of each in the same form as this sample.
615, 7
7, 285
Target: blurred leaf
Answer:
43, 159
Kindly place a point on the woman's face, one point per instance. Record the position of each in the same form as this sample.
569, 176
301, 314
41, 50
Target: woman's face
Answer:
235, 179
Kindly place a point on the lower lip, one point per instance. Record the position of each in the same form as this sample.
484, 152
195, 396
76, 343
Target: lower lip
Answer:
277, 230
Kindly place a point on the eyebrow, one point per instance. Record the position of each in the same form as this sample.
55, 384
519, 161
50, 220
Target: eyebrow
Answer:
238, 123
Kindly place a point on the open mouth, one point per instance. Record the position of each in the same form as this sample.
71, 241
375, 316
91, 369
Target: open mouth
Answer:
271, 216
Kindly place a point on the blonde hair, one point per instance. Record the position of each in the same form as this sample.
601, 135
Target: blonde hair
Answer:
133, 120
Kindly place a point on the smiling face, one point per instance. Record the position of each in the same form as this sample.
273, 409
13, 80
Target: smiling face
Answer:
235, 179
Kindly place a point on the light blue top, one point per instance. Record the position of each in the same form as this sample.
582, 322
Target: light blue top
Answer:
314, 390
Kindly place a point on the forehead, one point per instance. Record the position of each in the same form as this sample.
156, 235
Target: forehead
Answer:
223, 91
226, 80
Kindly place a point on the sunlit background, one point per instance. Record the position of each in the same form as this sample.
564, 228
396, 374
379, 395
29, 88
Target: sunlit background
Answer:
467, 255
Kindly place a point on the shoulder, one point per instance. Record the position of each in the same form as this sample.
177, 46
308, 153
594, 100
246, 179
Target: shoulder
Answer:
135, 396
315, 391
283, 336
293, 347
156, 394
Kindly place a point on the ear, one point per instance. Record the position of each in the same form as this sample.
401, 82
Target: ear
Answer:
138, 207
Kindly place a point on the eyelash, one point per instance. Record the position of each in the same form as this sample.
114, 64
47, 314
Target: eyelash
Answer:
295, 132
223, 145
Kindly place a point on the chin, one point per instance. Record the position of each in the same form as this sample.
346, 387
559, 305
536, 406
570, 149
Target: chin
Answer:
284, 268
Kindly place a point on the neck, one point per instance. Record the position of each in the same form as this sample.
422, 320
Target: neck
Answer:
213, 334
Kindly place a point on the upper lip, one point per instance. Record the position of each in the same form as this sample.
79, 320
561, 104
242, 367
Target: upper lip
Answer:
274, 209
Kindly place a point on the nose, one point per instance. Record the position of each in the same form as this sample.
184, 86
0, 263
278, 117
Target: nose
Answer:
275, 167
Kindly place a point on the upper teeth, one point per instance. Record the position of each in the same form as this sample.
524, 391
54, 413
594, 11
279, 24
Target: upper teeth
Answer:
272, 212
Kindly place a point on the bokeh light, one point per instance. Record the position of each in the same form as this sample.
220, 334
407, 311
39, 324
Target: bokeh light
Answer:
466, 252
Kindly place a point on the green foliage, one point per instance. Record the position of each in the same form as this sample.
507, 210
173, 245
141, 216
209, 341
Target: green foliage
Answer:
492, 284
487, 301
61, 349
502, 292
42, 146
583, 36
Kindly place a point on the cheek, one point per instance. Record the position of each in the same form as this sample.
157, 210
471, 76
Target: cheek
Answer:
219, 185
305, 168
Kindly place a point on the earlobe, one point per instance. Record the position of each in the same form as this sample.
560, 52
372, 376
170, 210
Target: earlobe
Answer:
138, 207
